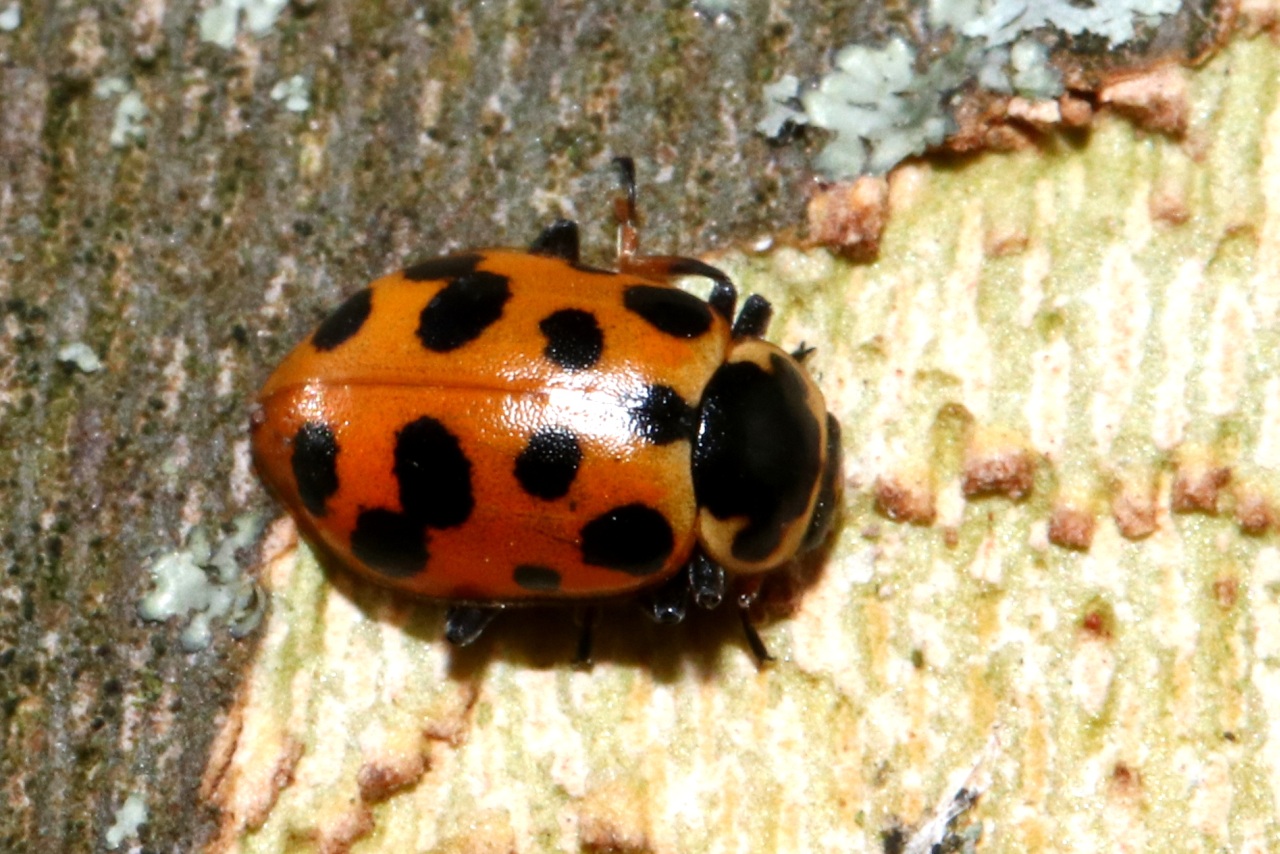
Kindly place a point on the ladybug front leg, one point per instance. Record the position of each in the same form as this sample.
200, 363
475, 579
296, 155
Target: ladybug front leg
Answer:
747, 589
464, 623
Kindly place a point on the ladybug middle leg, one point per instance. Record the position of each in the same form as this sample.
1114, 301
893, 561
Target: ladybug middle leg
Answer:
464, 623
753, 320
558, 240
662, 268
705, 583
669, 603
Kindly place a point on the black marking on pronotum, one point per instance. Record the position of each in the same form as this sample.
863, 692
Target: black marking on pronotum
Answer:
541, 579
448, 267
434, 474
669, 310
463, 310
344, 322
558, 240
549, 463
758, 453
661, 416
315, 465
390, 542
574, 339
634, 538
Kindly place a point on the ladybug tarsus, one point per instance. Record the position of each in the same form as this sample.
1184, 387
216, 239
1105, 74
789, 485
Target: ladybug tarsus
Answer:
753, 320
624, 211
754, 641
707, 581
558, 240
668, 604
724, 298
626, 167
463, 624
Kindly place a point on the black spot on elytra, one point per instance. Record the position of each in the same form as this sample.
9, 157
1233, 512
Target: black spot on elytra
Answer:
434, 478
315, 465
345, 321
633, 538
669, 310
539, 578
549, 462
661, 416
462, 310
434, 474
758, 454
574, 339
390, 542
449, 267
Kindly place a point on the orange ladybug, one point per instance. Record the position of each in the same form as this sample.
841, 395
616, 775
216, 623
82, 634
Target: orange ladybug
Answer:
505, 427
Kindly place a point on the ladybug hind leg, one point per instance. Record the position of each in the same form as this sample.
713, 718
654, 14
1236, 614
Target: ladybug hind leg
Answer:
662, 268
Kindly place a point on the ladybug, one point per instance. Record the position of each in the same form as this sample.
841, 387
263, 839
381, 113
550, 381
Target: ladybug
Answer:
504, 427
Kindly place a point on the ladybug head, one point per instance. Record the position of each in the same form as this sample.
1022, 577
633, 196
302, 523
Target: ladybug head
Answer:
766, 463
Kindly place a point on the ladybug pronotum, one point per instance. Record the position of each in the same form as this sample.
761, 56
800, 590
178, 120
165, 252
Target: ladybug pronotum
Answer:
504, 427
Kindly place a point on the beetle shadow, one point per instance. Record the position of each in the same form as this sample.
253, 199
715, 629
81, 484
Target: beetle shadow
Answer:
539, 637
546, 637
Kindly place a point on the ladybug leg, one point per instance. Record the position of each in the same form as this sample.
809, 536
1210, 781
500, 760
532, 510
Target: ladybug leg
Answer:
758, 649
624, 209
748, 590
464, 623
586, 620
668, 604
663, 268
802, 353
558, 240
707, 581
754, 318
